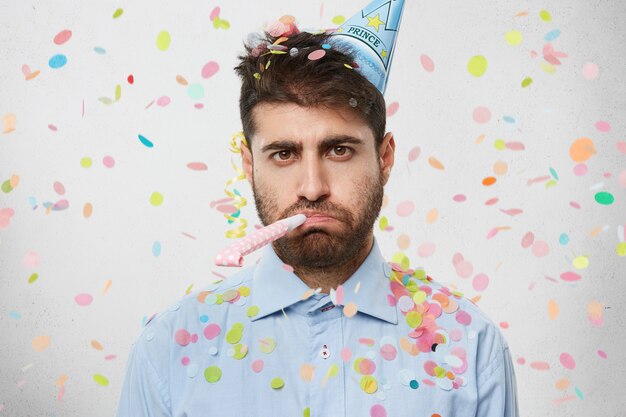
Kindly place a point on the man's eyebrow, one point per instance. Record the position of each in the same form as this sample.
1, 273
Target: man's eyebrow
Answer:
329, 142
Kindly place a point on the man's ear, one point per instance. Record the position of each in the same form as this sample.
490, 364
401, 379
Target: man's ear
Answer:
246, 161
387, 152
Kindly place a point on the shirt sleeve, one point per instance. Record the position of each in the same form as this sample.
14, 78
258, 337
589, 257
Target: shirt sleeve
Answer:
144, 392
497, 387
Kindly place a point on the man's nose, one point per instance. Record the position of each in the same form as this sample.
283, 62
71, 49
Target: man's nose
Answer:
313, 181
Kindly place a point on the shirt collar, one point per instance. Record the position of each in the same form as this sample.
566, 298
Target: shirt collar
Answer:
275, 287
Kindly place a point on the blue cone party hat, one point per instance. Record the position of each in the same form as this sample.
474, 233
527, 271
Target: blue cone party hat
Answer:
371, 35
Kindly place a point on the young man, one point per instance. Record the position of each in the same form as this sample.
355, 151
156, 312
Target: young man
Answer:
322, 325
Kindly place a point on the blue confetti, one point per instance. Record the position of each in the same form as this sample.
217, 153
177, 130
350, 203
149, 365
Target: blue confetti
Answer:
145, 141
15, 315
509, 119
564, 239
99, 50
552, 35
156, 248
204, 318
554, 174
57, 61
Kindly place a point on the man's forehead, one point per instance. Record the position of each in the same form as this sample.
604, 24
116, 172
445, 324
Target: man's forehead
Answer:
307, 126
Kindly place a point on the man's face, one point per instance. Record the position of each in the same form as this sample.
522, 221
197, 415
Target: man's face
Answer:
322, 163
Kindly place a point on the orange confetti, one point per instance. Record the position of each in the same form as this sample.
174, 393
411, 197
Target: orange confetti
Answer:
96, 345
350, 309
41, 343
562, 384
306, 372
553, 310
107, 285
489, 181
181, 80
434, 162
520, 14
61, 380
432, 216
582, 149
87, 210
480, 138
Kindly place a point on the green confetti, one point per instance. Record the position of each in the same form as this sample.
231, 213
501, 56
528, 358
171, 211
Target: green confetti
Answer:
212, 374
33, 278
101, 380
604, 198
252, 311
277, 383
526, 82
118, 13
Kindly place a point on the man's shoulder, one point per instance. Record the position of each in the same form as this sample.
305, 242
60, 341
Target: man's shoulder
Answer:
213, 299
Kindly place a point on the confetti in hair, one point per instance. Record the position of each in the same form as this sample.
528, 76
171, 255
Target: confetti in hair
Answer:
239, 231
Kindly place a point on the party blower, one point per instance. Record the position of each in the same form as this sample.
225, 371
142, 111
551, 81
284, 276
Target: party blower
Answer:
233, 255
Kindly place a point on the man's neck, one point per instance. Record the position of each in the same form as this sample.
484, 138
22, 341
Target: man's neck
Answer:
332, 277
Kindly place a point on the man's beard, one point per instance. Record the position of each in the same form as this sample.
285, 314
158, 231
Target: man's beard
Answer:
316, 247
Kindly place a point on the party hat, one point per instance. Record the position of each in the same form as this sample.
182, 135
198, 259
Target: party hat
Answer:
371, 34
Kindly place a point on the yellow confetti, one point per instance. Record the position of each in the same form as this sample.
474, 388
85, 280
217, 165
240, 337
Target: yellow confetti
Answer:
477, 65
239, 231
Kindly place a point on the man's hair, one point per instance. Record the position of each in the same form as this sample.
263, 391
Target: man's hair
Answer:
291, 77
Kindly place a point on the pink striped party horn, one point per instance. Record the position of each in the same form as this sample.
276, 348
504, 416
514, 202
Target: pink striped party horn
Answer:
233, 255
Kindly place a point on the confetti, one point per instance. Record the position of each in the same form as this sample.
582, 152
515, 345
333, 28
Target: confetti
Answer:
57, 61
427, 63
477, 65
62, 37
163, 40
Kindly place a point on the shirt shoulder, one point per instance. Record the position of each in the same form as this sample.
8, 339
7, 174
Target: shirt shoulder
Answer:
171, 327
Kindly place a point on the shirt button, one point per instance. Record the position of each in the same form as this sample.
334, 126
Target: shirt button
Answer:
325, 352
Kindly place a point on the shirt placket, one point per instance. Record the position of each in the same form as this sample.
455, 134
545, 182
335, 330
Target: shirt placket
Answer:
327, 394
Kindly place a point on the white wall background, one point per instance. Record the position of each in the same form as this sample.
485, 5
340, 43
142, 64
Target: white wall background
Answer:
59, 120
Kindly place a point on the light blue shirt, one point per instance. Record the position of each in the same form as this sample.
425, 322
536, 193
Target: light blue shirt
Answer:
261, 343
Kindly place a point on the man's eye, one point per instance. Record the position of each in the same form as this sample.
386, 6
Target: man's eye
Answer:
282, 155
341, 151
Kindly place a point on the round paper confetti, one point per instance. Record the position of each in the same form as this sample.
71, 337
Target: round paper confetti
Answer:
212, 374
481, 115
378, 410
427, 63
156, 199
277, 383
567, 360
83, 299
163, 40
62, 37
513, 37
591, 70
101, 380
317, 54
209, 69
477, 65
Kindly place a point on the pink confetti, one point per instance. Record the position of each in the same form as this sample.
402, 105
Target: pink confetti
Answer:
197, 166
492, 232
621, 146
392, 108
540, 248
481, 115
211, 331
603, 126
492, 201
463, 317
378, 410
514, 146
339, 294
209, 69
388, 352
346, 354
570, 276
567, 360
317, 54
459, 198
580, 170
512, 212
182, 337
227, 208
602, 354
32, 260
427, 63
163, 101
257, 365
528, 240
58, 188
52, 127
414, 153
198, 106
83, 299
62, 37
622, 178
591, 70
214, 13
540, 366
185, 360
426, 249
288, 268
405, 208
108, 161
480, 282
